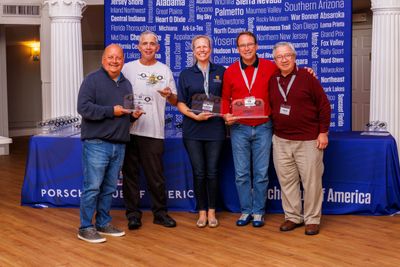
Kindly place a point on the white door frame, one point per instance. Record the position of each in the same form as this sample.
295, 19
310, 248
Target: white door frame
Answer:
361, 79
4, 149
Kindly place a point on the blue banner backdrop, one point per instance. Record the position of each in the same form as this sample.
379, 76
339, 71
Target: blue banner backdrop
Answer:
319, 29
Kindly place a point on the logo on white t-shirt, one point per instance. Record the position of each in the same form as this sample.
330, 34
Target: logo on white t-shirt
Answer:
151, 79
142, 100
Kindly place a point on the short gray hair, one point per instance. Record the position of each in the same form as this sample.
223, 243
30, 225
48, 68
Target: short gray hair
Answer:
280, 44
148, 33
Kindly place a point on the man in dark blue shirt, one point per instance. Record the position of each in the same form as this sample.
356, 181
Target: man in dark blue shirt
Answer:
105, 130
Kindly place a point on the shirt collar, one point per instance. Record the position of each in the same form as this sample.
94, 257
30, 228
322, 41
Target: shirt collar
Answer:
119, 78
244, 66
197, 69
294, 72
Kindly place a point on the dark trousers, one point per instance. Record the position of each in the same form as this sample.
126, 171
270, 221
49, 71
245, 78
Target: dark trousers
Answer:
147, 153
204, 157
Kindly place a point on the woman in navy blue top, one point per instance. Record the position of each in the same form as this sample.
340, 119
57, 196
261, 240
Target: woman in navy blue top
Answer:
203, 132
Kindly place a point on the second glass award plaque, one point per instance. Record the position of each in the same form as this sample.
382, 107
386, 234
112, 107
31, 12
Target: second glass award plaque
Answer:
202, 103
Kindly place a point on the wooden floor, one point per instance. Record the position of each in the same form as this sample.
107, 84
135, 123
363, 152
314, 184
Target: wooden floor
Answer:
47, 237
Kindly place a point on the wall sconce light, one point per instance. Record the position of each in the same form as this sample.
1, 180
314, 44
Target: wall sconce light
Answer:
35, 51
34, 46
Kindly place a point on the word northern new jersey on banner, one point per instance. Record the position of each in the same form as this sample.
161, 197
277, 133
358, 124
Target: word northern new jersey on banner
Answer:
319, 29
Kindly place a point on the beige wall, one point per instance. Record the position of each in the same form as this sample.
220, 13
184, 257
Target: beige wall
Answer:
92, 38
23, 78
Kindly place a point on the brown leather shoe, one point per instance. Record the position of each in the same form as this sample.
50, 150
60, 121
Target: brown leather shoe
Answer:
312, 229
289, 226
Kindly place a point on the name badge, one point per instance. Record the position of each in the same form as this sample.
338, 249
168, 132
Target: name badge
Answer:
250, 101
208, 106
285, 110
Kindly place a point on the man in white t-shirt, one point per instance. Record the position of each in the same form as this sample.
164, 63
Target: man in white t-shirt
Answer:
153, 85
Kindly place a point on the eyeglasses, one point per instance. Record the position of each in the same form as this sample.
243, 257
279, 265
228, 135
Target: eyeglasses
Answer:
285, 56
249, 45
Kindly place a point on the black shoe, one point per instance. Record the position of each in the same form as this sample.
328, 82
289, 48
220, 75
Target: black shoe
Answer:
164, 220
134, 223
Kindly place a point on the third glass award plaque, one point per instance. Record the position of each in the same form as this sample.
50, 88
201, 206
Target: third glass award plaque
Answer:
249, 108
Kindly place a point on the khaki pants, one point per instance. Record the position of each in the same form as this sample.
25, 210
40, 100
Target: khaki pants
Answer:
299, 162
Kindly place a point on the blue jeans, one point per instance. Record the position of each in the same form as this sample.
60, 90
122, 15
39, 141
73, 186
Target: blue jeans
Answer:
251, 148
204, 157
101, 162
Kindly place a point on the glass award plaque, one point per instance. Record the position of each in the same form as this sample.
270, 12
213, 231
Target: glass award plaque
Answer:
59, 126
202, 103
129, 103
249, 108
377, 128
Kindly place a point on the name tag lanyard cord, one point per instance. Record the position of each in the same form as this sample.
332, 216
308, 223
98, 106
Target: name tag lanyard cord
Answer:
206, 75
288, 88
246, 80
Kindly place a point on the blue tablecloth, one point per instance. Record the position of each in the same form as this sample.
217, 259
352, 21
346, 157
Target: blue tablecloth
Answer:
361, 176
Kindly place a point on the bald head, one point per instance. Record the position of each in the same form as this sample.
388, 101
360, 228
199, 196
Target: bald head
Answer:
113, 60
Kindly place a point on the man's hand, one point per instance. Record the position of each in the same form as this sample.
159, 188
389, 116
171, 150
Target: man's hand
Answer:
229, 119
166, 92
137, 113
322, 141
311, 71
119, 111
